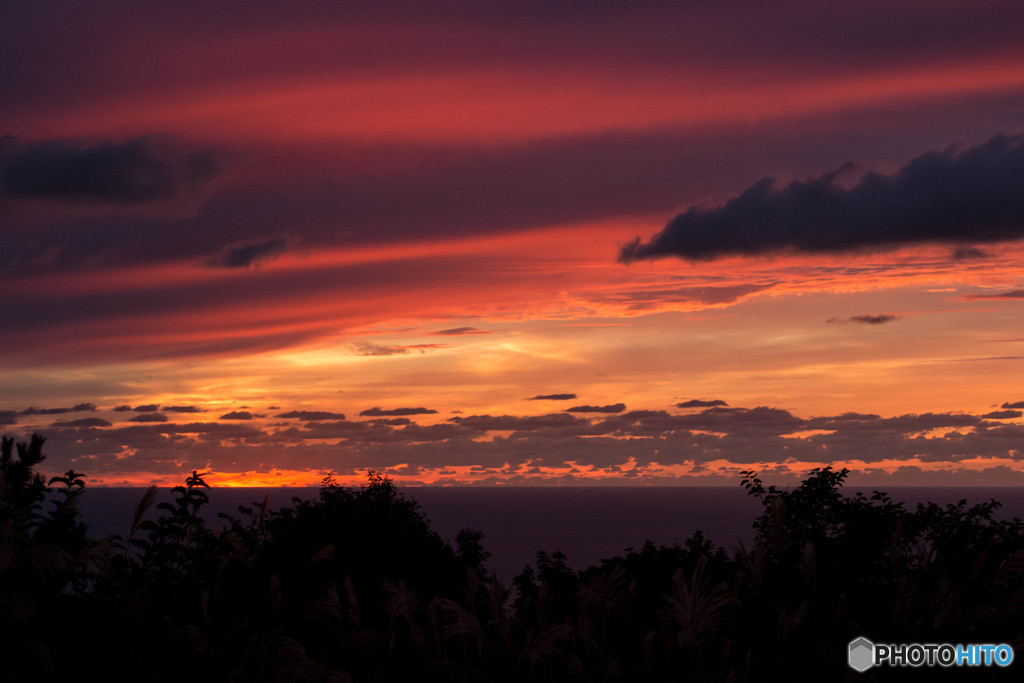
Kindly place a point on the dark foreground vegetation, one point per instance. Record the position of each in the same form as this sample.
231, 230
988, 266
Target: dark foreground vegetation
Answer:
355, 586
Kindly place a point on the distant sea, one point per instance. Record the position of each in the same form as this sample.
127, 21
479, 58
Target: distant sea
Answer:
587, 524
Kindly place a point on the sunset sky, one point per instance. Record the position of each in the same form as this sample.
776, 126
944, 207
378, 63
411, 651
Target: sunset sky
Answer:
514, 242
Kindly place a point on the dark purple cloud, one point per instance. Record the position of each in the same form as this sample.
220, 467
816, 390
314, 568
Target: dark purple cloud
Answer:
311, 415
84, 422
880, 319
145, 169
971, 195
80, 408
392, 421
249, 253
552, 397
1002, 415
395, 412
237, 415
699, 403
149, 417
182, 409
486, 423
613, 408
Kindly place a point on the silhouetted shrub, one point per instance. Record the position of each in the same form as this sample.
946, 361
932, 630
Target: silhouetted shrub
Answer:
356, 586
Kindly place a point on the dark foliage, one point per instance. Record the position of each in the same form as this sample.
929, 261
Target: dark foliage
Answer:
355, 586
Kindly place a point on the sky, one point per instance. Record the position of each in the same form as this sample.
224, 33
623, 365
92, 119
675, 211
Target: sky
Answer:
514, 243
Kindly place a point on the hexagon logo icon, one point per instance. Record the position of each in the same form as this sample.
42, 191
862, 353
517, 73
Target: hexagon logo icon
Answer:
862, 654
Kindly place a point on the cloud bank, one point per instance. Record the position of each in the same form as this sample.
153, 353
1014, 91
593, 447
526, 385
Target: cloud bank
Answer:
642, 441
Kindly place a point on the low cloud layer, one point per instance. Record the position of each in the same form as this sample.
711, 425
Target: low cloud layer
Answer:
951, 196
642, 442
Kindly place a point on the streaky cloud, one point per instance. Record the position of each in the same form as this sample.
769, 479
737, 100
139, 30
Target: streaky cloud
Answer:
552, 397
961, 196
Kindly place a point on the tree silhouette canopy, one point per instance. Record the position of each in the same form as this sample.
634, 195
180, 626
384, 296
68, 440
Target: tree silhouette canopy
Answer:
356, 586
